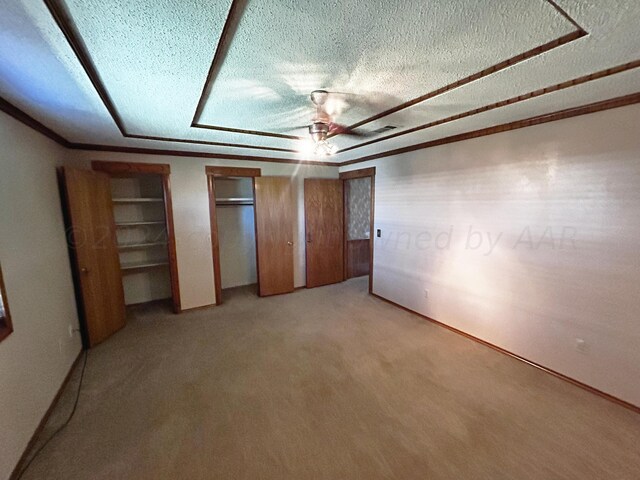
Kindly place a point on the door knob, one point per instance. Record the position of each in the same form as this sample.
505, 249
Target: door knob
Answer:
289, 243
84, 270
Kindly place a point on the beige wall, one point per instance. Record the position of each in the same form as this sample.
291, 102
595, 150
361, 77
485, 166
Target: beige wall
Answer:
191, 214
36, 357
527, 239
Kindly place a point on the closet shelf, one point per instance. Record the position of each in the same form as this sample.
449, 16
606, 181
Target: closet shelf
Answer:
141, 246
137, 200
138, 224
129, 267
234, 201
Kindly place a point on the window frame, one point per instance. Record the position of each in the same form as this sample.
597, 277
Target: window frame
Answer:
6, 326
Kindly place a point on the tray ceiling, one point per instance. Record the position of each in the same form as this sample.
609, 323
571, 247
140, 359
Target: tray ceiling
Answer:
184, 74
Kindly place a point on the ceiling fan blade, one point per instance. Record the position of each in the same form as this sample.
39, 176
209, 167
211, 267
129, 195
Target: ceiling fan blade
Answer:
337, 129
290, 129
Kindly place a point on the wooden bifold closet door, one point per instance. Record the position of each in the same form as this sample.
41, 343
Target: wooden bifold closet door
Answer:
92, 240
324, 225
274, 210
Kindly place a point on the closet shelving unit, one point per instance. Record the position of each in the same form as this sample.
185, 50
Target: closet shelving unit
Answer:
137, 200
140, 219
141, 199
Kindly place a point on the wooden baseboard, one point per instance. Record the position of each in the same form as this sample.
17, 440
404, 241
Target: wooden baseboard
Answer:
23, 458
573, 381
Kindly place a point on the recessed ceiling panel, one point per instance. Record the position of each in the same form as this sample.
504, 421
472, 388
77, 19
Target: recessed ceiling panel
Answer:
384, 52
152, 56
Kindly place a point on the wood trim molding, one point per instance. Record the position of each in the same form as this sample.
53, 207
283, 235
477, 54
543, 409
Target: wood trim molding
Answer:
128, 168
600, 393
236, 9
510, 62
6, 325
187, 153
230, 27
232, 171
215, 239
63, 20
228, 31
550, 117
505, 127
212, 173
564, 13
31, 122
65, 23
246, 132
209, 143
520, 98
360, 173
17, 470
171, 244
372, 227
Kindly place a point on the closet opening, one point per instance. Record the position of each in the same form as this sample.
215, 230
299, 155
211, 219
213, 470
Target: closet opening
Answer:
359, 188
233, 228
145, 240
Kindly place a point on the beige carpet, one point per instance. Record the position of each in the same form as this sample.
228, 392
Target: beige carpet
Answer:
328, 383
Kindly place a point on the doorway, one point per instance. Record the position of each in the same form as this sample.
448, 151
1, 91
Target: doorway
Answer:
235, 205
324, 232
232, 218
251, 221
358, 188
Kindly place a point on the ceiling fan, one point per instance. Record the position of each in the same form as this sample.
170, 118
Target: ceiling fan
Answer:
322, 125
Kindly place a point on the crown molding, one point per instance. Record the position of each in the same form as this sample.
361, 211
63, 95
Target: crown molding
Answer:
505, 127
503, 103
616, 102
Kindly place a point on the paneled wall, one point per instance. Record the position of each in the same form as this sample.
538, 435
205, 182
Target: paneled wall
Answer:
527, 239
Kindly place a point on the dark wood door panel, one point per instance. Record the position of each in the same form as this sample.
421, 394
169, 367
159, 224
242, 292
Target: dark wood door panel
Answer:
358, 258
323, 206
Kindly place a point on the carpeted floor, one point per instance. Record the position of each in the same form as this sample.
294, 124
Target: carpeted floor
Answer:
328, 383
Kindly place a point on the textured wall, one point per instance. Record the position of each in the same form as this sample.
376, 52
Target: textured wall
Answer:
36, 357
359, 205
526, 239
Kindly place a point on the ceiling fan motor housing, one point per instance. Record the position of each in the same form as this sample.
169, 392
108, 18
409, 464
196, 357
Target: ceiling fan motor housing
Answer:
319, 131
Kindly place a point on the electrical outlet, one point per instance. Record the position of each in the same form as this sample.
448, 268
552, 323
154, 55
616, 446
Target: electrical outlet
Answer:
426, 293
581, 345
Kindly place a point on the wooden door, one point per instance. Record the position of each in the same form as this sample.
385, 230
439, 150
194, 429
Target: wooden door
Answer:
323, 213
274, 210
93, 244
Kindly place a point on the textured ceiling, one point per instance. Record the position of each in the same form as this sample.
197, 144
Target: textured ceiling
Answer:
156, 61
